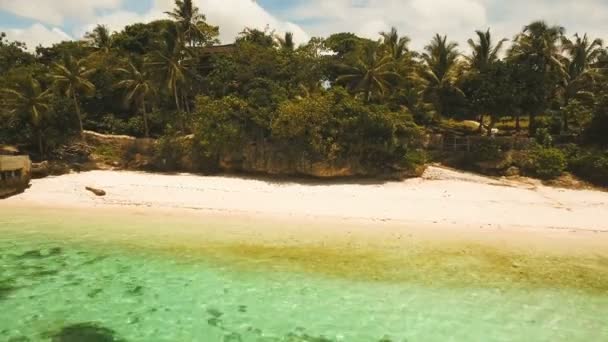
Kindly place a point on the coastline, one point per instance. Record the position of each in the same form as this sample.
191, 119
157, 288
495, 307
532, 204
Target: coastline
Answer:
347, 230
443, 206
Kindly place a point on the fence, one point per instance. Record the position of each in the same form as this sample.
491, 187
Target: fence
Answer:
467, 144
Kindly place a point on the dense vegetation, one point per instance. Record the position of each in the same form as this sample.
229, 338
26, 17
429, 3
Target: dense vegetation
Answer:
339, 98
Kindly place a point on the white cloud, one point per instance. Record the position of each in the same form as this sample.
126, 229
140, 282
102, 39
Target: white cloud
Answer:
232, 16
421, 19
55, 12
35, 35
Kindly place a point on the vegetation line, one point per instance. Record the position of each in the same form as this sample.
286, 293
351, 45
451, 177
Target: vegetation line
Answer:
341, 105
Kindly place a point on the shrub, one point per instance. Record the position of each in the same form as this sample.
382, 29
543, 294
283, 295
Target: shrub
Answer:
546, 163
590, 165
543, 137
414, 159
487, 150
168, 153
596, 132
334, 126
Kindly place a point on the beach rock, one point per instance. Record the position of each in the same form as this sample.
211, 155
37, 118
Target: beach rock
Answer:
97, 192
513, 171
40, 170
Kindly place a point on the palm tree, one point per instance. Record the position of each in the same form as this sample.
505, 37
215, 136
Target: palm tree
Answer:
439, 72
189, 19
371, 74
537, 47
397, 46
72, 76
540, 42
100, 38
30, 99
171, 63
580, 63
138, 87
287, 43
484, 52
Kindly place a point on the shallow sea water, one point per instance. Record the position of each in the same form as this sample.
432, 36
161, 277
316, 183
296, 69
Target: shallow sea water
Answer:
58, 286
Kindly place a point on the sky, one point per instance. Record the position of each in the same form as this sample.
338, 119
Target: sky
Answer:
45, 22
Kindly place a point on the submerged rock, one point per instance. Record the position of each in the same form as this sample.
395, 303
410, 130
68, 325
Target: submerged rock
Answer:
89, 332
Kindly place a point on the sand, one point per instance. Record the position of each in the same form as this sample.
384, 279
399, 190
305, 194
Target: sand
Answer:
442, 197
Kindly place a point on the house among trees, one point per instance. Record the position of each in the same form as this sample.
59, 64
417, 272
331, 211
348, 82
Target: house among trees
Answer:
15, 171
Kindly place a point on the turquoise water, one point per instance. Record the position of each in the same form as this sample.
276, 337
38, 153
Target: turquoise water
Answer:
56, 285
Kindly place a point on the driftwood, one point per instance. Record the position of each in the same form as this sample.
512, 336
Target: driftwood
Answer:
97, 192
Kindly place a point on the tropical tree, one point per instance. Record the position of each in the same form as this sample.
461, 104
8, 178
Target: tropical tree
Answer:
371, 74
286, 42
439, 73
537, 50
138, 87
582, 55
396, 45
484, 52
191, 22
100, 38
29, 98
484, 55
170, 65
72, 77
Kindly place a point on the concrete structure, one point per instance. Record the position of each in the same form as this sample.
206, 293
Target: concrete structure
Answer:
15, 171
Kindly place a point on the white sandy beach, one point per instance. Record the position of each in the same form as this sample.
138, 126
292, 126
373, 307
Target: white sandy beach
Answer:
441, 197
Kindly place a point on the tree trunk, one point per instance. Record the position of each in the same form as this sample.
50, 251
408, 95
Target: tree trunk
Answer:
493, 120
186, 104
480, 124
78, 114
40, 147
176, 96
565, 117
368, 93
517, 123
145, 115
179, 110
532, 125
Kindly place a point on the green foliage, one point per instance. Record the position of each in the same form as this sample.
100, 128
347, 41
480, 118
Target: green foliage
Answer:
168, 153
487, 150
590, 164
13, 55
546, 163
544, 138
165, 78
335, 126
439, 74
414, 158
493, 90
223, 124
597, 132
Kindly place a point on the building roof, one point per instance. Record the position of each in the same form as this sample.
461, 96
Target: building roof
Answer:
218, 49
8, 150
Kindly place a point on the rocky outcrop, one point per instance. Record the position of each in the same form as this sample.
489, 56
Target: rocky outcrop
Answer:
267, 159
41, 170
260, 158
512, 171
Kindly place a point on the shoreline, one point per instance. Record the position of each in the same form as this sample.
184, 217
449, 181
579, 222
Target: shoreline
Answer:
443, 206
441, 197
